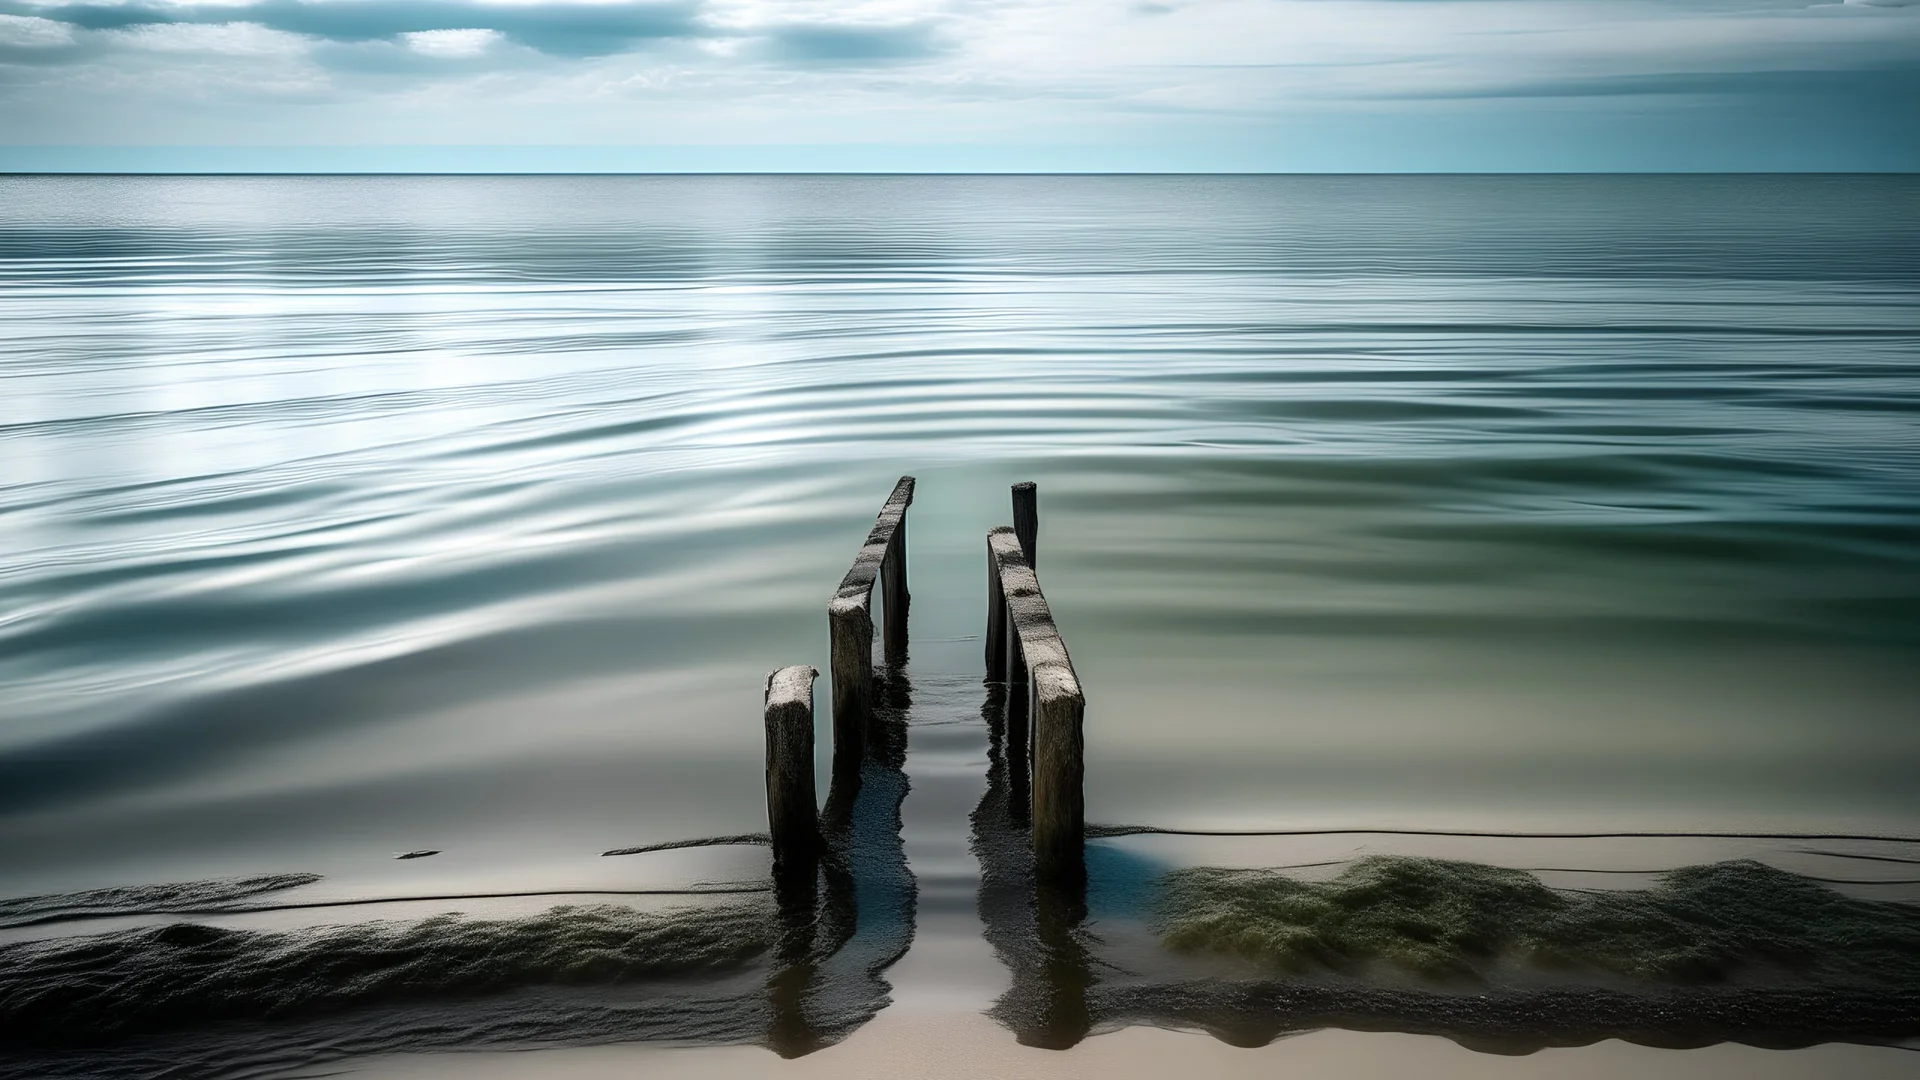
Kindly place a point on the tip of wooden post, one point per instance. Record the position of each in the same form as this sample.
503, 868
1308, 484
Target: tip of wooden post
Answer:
795, 681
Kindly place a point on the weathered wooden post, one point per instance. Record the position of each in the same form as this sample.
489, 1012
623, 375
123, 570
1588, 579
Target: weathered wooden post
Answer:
850, 618
893, 593
1058, 715
1016, 669
852, 663
996, 620
1059, 773
1026, 520
792, 821
1026, 526
1004, 661
1019, 759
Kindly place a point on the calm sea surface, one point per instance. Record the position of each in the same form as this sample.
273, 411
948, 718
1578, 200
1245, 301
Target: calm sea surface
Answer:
345, 517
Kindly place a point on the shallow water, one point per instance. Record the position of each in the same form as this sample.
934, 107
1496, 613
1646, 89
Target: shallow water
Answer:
350, 517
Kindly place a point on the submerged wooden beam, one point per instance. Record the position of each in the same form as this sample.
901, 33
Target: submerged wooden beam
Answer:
1058, 714
850, 618
792, 820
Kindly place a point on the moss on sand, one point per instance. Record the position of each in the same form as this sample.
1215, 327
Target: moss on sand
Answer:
1456, 920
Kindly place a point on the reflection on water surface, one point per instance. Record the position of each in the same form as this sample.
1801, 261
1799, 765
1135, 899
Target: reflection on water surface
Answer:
353, 517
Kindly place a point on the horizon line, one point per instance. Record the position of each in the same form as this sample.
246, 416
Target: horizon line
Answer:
240, 173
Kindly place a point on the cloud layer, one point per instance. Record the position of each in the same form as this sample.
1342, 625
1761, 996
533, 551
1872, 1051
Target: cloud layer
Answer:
1256, 80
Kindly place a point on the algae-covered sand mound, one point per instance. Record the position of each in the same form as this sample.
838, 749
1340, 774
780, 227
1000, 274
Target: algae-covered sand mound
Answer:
1458, 920
81, 989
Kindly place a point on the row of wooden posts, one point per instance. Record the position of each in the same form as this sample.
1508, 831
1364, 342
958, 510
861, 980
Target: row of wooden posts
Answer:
1023, 649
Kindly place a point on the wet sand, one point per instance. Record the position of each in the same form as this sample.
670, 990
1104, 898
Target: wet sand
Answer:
933, 1044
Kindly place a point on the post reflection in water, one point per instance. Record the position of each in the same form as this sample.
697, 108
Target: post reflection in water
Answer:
846, 916
1061, 990
1036, 930
1581, 498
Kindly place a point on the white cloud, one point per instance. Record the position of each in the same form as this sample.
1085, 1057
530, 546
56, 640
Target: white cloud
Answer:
983, 71
225, 39
755, 14
33, 33
452, 43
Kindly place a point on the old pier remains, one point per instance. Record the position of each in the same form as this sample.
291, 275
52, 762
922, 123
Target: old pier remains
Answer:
850, 619
1025, 649
792, 820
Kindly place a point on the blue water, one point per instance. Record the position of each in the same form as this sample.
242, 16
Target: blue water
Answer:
345, 517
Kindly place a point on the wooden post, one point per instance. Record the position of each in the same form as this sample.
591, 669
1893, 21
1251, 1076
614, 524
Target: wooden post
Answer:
1058, 713
893, 593
1017, 712
996, 620
1016, 661
852, 663
792, 820
850, 619
1059, 775
1026, 520
1026, 526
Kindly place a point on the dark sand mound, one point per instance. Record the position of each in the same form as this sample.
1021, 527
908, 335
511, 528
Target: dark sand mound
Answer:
1457, 920
78, 989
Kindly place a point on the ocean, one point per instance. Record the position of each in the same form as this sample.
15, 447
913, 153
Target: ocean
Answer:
343, 518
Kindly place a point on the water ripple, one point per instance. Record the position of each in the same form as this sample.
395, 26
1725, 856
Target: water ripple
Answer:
324, 487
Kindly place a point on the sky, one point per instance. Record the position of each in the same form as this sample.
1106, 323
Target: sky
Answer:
960, 85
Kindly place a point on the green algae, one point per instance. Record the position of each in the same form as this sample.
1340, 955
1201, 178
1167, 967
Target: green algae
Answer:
1447, 920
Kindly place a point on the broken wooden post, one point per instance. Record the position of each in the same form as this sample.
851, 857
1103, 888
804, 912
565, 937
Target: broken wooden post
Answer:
792, 821
850, 617
1058, 715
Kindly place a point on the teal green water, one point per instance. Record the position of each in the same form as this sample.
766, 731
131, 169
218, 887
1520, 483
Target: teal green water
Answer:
347, 517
